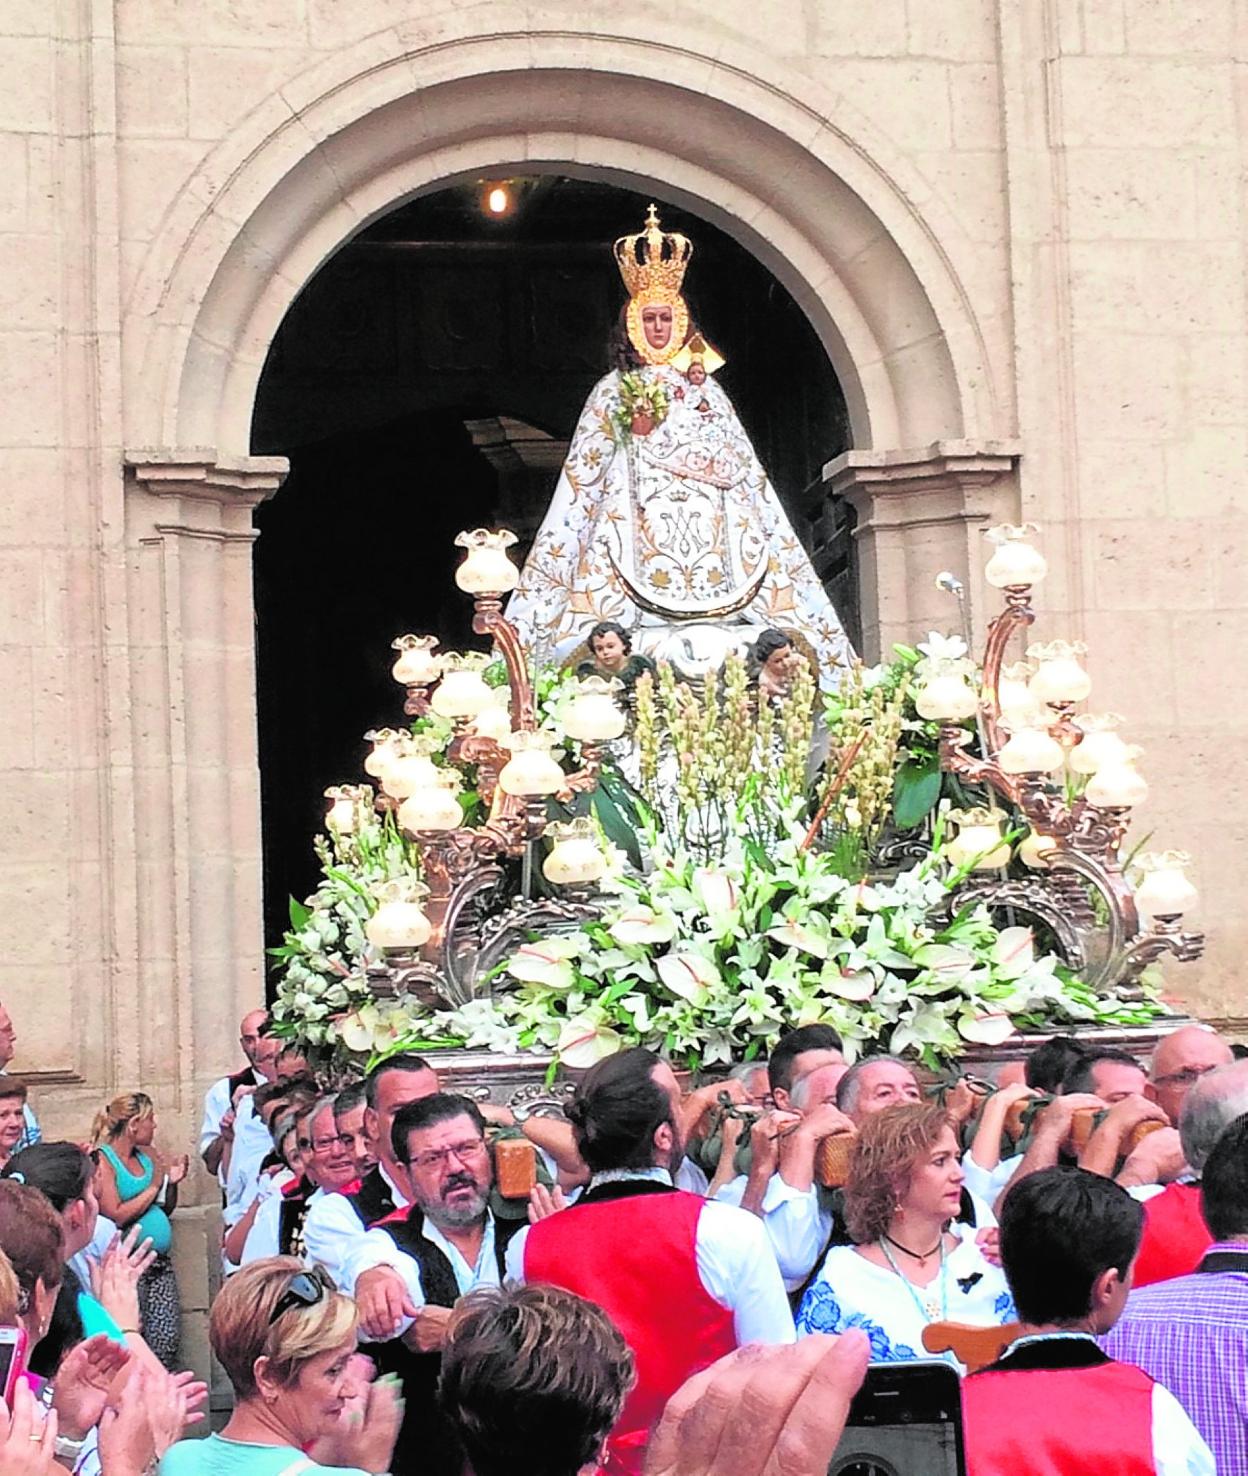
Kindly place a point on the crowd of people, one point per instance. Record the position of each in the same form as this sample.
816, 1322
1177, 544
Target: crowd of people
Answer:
680, 1281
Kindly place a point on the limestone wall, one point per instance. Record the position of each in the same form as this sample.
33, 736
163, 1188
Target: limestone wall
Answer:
1019, 229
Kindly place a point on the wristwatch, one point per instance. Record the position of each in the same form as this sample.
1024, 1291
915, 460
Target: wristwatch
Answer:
66, 1449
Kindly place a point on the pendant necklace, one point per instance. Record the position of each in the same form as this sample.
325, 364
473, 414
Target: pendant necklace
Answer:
928, 1306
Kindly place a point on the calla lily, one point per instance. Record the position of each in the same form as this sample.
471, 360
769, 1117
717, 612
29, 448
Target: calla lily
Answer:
1014, 952
688, 975
985, 1029
641, 925
798, 935
716, 890
585, 1041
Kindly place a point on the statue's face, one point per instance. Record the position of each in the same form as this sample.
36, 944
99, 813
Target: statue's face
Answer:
656, 323
608, 650
780, 664
697, 372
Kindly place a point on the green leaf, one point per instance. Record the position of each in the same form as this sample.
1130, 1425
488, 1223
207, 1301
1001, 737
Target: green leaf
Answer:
915, 791
299, 915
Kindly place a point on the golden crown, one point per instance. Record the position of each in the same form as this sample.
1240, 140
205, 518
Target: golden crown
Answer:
653, 257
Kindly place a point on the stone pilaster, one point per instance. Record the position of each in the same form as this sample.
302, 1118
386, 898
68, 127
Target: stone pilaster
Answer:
921, 513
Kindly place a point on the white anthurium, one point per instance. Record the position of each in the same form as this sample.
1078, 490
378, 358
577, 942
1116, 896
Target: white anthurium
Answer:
986, 1029
688, 975
638, 1007
718, 892
548, 961
640, 925
848, 983
1013, 953
800, 936
945, 961
864, 896
585, 1040
356, 1031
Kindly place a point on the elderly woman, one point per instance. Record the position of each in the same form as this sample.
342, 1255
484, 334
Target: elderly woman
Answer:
286, 1339
137, 1186
912, 1262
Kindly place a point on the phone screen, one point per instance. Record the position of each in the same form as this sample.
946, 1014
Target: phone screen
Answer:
906, 1420
8, 1354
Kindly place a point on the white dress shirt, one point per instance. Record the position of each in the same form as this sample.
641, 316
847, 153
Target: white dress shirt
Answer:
264, 1237
333, 1234
987, 1184
93, 1252
377, 1248
216, 1105
252, 1145
736, 1265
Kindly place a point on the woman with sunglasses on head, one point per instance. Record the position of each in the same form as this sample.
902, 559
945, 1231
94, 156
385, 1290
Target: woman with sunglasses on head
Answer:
286, 1339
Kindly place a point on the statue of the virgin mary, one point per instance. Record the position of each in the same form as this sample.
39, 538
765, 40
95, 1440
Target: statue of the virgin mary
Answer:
663, 519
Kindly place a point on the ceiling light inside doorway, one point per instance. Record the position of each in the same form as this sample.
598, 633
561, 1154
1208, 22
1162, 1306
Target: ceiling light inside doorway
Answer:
498, 199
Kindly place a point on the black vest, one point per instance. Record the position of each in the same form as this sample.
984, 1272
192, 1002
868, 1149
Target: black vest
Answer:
246, 1077
291, 1215
426, 1442
372, 1201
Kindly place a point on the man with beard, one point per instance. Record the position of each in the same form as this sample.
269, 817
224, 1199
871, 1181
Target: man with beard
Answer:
336, 1225
685, 1279
412, 1267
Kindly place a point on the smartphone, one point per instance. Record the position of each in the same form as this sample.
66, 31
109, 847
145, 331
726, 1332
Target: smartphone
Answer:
906, 1420
12, 1360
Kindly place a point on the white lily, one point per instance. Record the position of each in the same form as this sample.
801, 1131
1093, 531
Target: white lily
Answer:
939, 647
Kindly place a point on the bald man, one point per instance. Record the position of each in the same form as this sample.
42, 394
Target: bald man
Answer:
217, 1128
1179, 1061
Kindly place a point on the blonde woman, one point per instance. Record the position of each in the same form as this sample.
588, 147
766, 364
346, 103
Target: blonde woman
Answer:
137, 1186
286, 1339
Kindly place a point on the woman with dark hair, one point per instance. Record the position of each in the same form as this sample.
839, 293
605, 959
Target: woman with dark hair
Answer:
611, 649
65, 1175
913, 1262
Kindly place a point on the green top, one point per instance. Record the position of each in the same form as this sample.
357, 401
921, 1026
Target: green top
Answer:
153, 1222
218, 1456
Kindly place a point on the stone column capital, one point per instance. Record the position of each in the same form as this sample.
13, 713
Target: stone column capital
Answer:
904, 487
198, 472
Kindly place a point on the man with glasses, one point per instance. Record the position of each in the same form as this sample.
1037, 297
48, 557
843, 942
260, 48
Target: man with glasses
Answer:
412, 1268
337, 1223
280, 1222
1175, 1232
1180, 1061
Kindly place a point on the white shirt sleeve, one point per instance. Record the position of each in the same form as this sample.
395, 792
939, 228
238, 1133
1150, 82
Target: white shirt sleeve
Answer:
795, 1224
263, 1239
1142, 1193
216, 1105
1178, 1449
987, 1184
330, 1234
376, 1248
984, 1217
737, 1266
513, 1256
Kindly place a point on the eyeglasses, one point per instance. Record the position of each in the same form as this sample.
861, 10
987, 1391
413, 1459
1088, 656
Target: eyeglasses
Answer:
1188, 1077
469, 1149
306, 1289
321, 1145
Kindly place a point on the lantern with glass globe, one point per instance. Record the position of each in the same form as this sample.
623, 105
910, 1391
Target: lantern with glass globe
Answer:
946, 694
576, 859
1015, 563
411, 766
462, 693
399, 924
532, 771
433, 806
978, 841
486, 569
349, 806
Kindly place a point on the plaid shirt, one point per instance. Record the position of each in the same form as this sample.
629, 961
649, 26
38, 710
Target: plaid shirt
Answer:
1191, 1335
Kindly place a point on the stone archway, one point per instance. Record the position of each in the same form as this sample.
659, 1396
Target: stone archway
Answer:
816, 194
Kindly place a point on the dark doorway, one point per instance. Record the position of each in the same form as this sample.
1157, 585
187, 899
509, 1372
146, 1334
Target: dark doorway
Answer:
437, 318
